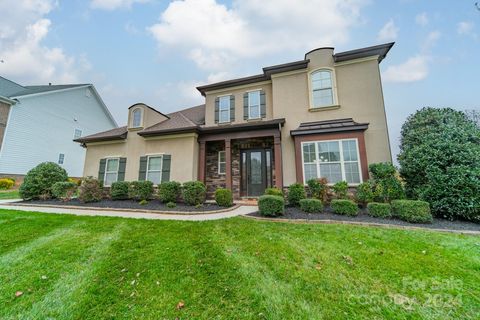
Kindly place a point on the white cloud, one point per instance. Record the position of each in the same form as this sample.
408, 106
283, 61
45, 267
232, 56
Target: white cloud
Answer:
26, 59
215, 36
465, 28
389, 32
421, 19
431, 40
414, 69
114, 4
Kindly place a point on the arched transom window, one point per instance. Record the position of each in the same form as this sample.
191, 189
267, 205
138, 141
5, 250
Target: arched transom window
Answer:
322, 88
137, 118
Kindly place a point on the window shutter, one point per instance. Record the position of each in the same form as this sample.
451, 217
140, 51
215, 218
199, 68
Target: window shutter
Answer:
142, 172
217, 104
232, 108
121, 169
263, 105
101, 170
167, 160
245, 106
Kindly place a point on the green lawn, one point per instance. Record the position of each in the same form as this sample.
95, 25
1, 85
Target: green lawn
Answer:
111, 268
9, 194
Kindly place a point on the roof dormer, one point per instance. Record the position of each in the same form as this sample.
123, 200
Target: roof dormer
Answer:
141, 116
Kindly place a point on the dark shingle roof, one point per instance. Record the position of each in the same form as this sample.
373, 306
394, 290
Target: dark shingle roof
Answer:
47, 88
112, 134
8, 87
326, 126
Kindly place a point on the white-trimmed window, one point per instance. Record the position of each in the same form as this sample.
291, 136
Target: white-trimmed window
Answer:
154, 169
77, 134
336, 160
222, 164
137, 118
254, 105
61, 158
111, 171
322, 88
224, 109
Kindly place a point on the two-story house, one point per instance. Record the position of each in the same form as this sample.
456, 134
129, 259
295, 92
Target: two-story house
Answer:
322, 116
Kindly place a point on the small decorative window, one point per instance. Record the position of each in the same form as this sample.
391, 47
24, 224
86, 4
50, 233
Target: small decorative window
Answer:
254, 105
137, 118
224, 109
222, 164
77, 134
322, 88
61, 158
154, 169
111, 171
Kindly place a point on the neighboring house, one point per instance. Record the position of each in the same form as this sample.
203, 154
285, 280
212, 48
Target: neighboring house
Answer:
39, 123
322, 116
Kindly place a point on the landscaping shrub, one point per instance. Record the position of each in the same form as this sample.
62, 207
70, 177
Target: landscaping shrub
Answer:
143, 202
340, 189
311, 205
439, 158
364, 193
274, 192
64, 190
194, 193
224, 197
379, 210
140, 190
415, 211
6, 184
386, 185
169, 191
271, 206
91, 190
296, 192
39, 181
119, 190
171, 204
344, 207
318, 188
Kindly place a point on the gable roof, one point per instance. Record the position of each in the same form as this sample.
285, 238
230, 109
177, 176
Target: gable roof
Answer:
8, 87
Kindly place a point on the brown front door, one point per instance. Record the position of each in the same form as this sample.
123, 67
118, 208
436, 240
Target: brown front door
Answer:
256, 171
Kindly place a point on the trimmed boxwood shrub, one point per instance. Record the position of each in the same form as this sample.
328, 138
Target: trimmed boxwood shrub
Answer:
271, 206
414, 211
385, 183
64, 190
379, 210
224, 197
39, 181
194, 193
344, 207
119, 190
169, 191
91, 190
364, 193
340, 189
274, 192
6, 184
311, 205
140, 190
296, 192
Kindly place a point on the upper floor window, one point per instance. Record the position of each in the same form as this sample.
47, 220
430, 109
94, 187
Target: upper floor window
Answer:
322, 88
224, 109
77, 134
61, 158
137, 118
254, 105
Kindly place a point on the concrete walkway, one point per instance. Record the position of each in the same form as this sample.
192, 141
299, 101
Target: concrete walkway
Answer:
242, 210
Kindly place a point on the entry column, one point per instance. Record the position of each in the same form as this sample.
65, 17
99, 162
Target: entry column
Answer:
201, 162
277, 142
228, 164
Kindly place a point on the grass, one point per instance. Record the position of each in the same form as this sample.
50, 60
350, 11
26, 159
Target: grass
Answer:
72, 267
9, 194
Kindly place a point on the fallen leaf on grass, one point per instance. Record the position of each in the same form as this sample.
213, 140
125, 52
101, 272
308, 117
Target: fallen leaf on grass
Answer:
133, 282
18, 293
44, 277
348, 260
318, 267
180, 305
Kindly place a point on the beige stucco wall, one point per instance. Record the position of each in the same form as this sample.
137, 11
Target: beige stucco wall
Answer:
238, 93
182, 147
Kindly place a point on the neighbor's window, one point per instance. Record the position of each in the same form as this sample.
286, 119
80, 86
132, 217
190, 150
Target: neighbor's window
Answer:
336, 160
137, 118
111, 171
154, 169
222, 164
254, 105
61, 158
224, 109
322, 88
77, 134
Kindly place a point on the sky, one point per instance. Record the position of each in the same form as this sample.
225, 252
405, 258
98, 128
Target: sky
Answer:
157, 52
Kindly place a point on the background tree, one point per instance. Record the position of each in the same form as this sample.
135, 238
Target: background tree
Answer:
440, 161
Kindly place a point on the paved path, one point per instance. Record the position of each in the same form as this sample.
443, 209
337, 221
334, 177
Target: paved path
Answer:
242, 210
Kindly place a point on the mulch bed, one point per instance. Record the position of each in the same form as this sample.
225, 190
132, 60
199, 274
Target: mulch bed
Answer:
126, 204
293, 213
